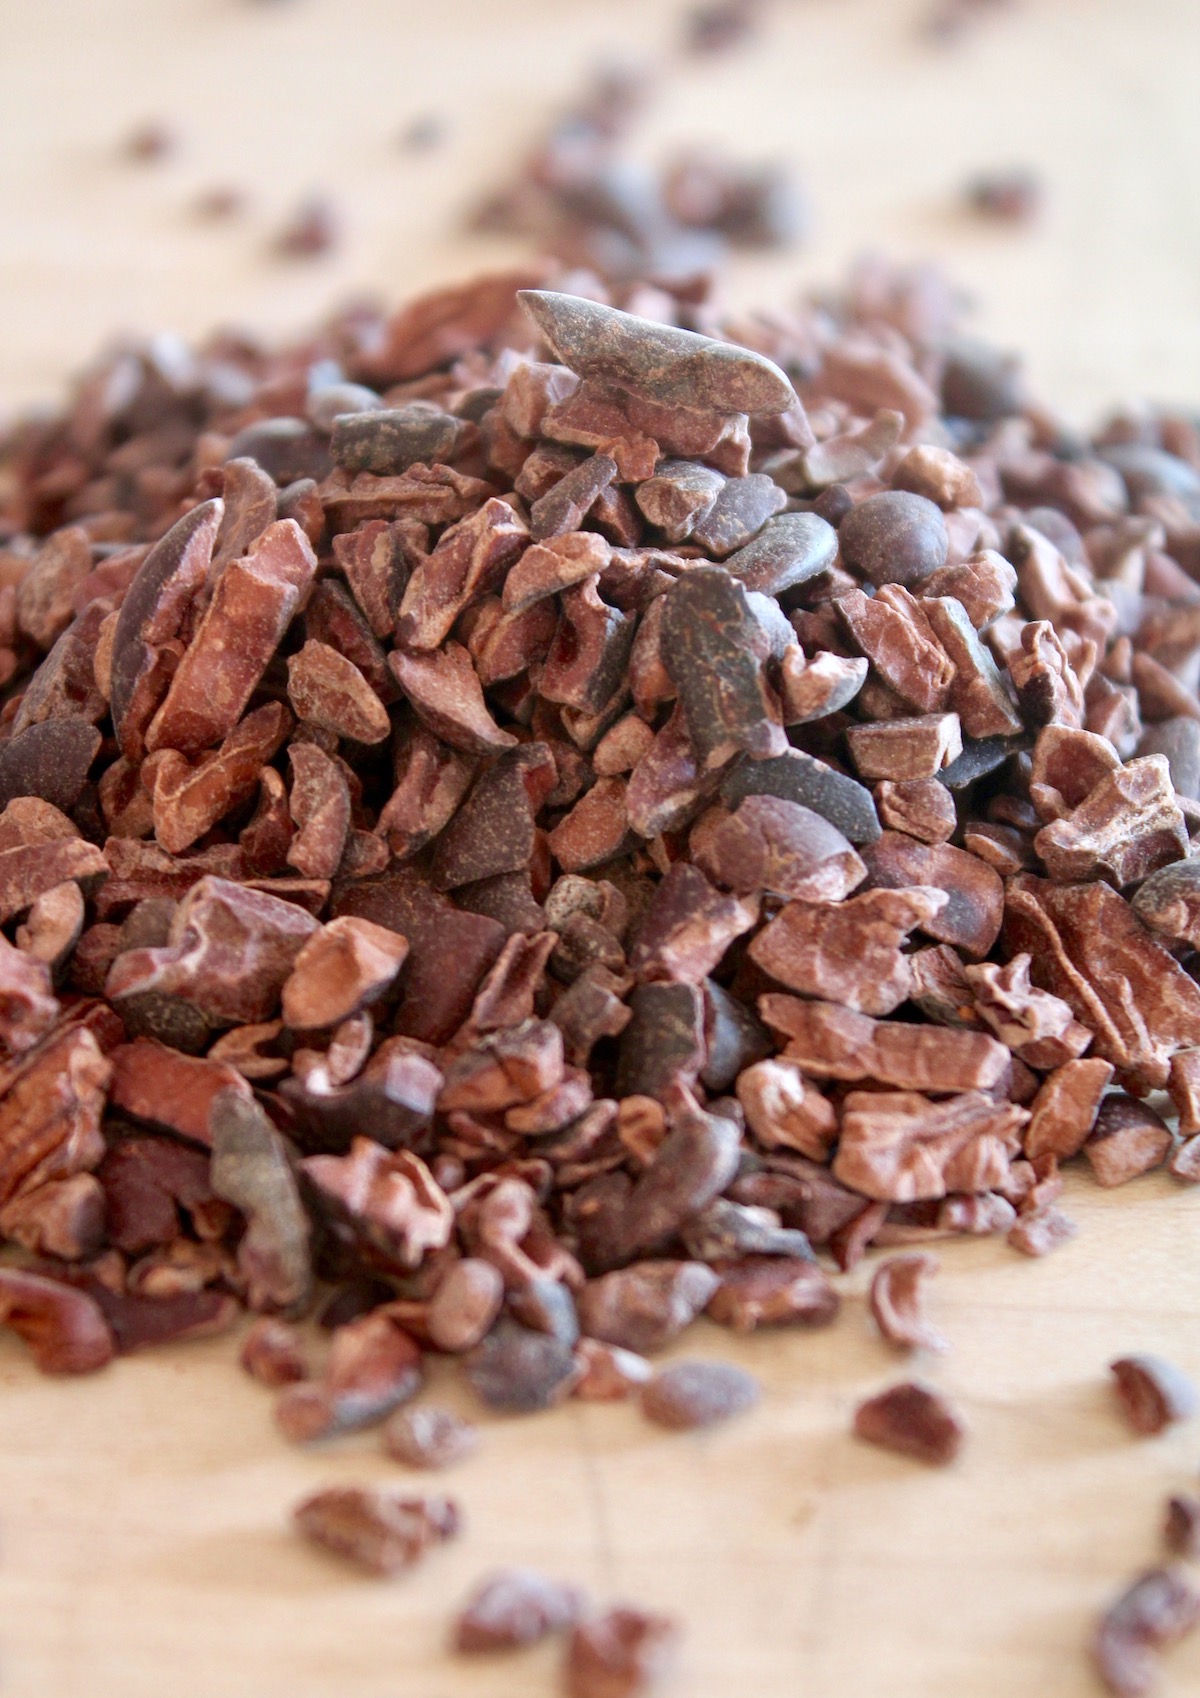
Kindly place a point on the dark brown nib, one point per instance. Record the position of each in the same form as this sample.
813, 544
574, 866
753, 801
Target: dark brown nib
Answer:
675, 368
914, 1421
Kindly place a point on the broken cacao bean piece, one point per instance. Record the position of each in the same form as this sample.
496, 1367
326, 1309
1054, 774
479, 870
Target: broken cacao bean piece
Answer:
1153, 1393
914, 1421
376, 1529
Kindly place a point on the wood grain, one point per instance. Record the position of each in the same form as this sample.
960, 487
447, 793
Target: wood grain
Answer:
143, 1513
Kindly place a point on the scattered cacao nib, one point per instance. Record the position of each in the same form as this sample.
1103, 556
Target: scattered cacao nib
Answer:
51, 1110
770, 844
893, 632
837, 459
608, 1374
515, 1607
920, 807
914, 1421
698, 1394
465, 1303
896, 1302
1153, 1393
493, 831
691, 1167
273, 1354
373, 1367
783, 1109
229, 950
347, 964
1160, 1607
152, 1082
1038, 1028
1041, 1230
662, 1044
429, 1437
50, 759
380, 1530
1181, 1526
64, 1218
150, 1185
151, 141
622, 1653
1090, 949
1013, 196
1130, 825
797, 777
971, 916
312, 229
1169, 902
390, 1198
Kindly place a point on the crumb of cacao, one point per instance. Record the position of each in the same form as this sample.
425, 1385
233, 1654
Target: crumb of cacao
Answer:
912, 1420
1156, 1610
150, 142
1011, 196
1181, 1526
313, 228
624, 1650
515, 1607
1152, 1393
221, 201
720, 24
378, 1530
429, 1437
698, 1394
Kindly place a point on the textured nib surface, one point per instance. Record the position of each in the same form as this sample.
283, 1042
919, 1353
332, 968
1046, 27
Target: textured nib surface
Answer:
676, 368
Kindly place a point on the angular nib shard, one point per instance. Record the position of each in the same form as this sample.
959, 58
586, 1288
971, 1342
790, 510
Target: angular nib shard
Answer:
676, 368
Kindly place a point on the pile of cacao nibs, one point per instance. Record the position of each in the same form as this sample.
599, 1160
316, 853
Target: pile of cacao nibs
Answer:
554, 812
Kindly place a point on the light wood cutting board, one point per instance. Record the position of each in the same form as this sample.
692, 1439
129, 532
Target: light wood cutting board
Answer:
144, 1546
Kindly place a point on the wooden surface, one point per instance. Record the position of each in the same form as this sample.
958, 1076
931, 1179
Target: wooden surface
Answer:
146, 1546
281, 97
143, 1514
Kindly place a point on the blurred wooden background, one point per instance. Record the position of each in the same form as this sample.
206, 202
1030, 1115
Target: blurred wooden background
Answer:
143, 1515
283, 97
